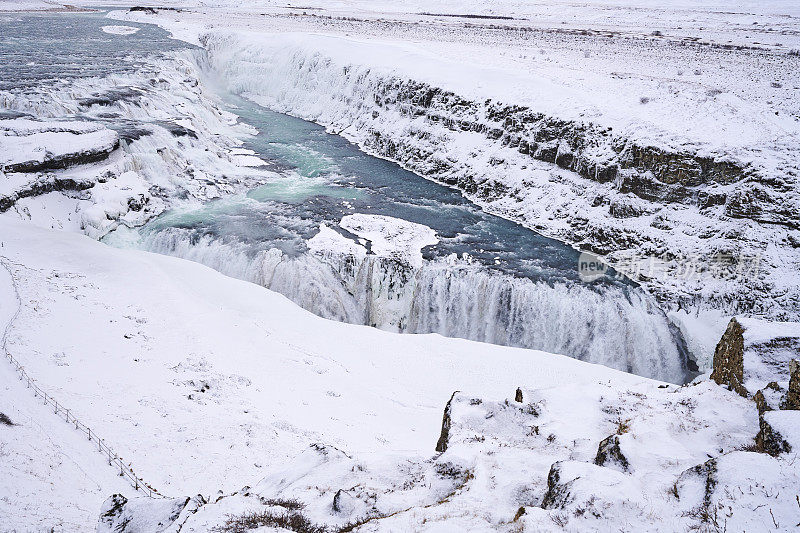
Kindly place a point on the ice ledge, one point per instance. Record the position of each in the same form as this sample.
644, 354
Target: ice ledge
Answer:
32, 146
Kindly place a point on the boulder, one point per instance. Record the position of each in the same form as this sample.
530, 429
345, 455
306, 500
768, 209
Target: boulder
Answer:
779, 432
141, 515
793, 395
343, 502
609, 454
753, 353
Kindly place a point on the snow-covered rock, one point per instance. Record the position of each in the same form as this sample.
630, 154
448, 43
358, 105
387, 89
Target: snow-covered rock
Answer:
753, 353
779, 432
507, 463
31, 146
143, 515
391, 237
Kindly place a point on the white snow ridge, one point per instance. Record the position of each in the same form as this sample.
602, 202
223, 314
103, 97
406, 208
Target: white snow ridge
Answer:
315, 267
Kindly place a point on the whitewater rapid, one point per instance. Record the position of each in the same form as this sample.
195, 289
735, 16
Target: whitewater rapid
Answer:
611, 324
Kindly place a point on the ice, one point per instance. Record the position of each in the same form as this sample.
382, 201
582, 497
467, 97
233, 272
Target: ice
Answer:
120, 30
340, 281
391, 237
27, 145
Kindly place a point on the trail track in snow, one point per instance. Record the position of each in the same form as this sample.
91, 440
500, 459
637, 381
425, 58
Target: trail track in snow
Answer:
114, 460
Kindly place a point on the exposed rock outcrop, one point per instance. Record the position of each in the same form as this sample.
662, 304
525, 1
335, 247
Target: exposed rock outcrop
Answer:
729, 359
793, 394
753, 353
43, 184
778, 431
441, 444
34, 146
769, 398
610, 454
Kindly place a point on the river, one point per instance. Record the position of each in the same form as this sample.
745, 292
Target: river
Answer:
356, 238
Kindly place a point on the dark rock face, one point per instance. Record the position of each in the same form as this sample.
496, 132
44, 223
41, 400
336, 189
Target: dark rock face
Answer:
768, 440
793, 395
756, 202
80, 157
441, 444
557, 494
46, 184
729, 359
592, 151
609, 453
111, 96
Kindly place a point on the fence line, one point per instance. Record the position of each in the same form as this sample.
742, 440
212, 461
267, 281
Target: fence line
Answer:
113, 459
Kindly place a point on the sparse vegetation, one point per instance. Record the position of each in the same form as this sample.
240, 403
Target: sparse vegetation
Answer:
289, 520
708, 519
5, 420
292, 504
292, 521
623, 426
560, 519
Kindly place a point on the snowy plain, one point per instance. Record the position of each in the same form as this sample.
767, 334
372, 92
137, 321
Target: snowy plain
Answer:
203, 381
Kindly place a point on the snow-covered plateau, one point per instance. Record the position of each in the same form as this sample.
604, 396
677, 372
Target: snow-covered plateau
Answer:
301, 351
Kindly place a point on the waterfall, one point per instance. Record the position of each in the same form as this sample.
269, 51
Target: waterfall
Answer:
614, 325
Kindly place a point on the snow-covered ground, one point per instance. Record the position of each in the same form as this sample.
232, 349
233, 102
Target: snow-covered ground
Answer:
34, 5
206, 384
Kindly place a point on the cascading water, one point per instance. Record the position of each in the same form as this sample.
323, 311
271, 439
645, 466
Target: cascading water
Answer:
347, 236
612, 324
486, 279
